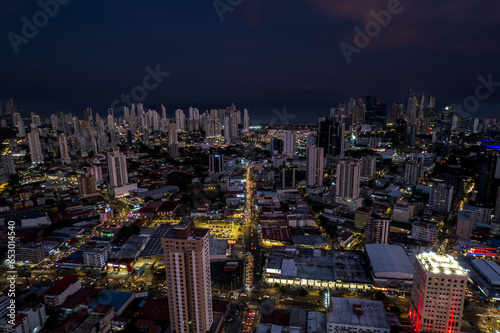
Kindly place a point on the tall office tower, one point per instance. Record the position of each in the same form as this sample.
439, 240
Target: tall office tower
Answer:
412, 173
35, 119
163, 112
87, 186
216, 163
88, 115
35, 147
370, 105
8, 165
10, 108
289, 142
465, 224
441, 197
173, 138
412, 138
368, 166
331, 137
187, 266
276, 146
437, 297
377, 229
348, 177
180, 120
63, 149
246, 121
117, 168
315, 171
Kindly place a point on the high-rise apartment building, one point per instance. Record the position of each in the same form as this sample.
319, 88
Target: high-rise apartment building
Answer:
117, 168
465, 224
180, 120
8, 166
437, 297
87, 185
348, 177
63, 149
35, 147
187, 266
412, 173
216, 163
173, 138
315, 169
289, 141
377, 229
441, 197
368, 166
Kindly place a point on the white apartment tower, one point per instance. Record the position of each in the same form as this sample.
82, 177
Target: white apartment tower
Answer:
180, 120
315, 166
63, 148
437, 297
35, 147
117, 168
289, 141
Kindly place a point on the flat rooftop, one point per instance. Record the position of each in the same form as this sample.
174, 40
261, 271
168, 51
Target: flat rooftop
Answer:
358, 312
389, 261
440, 264
490, 270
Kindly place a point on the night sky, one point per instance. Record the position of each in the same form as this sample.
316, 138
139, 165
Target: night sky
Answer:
264, 54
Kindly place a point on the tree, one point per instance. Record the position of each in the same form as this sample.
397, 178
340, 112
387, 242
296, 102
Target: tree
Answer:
395, 309
303, 292
379, 295
276, 286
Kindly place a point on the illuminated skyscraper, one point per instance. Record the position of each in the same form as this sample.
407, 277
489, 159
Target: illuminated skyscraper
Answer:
437, 297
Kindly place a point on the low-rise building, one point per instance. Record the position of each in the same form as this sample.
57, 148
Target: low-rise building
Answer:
62, 289
353, 315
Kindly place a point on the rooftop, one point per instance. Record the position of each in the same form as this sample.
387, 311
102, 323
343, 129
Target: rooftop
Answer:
358, 312
490, 269
62, 285
385, 258
440, 264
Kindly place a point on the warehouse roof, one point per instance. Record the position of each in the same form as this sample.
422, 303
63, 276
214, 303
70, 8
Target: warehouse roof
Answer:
389, 261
